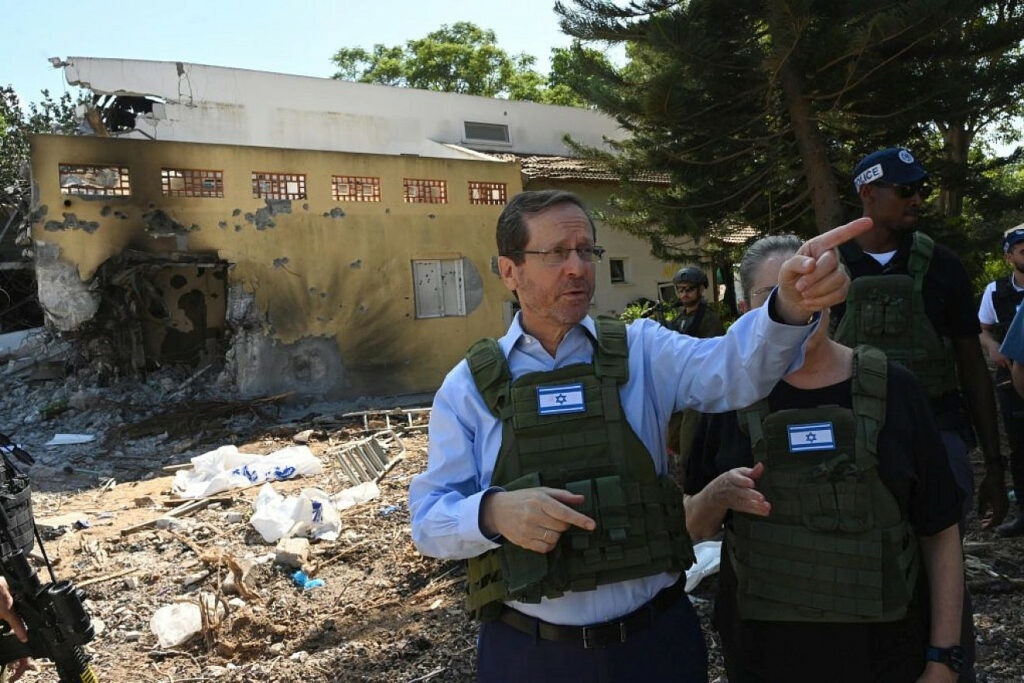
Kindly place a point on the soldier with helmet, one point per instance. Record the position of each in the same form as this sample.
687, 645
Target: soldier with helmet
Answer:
695, 317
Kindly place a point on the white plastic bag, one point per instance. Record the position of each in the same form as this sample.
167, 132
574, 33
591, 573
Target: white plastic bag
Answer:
709, 557
346, 498
228, 468
309, 513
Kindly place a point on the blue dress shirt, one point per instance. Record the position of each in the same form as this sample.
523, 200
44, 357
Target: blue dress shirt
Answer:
667, 372
1013, 342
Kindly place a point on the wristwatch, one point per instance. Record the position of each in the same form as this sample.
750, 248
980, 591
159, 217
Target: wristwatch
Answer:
953, 657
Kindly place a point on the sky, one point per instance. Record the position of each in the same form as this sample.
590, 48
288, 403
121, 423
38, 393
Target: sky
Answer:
296, 37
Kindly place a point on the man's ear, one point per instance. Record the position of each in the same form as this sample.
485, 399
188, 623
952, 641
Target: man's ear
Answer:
508, 272
743, 306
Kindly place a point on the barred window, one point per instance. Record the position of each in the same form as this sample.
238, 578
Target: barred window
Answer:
278, 185
486, 193
191, 182
421, 191
347, 188
97, 181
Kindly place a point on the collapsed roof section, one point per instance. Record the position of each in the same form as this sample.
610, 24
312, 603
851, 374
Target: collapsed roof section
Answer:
195, 103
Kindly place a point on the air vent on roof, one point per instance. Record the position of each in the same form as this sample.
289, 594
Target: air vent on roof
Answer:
492, 132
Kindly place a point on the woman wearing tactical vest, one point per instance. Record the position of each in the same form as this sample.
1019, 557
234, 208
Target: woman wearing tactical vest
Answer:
841, 559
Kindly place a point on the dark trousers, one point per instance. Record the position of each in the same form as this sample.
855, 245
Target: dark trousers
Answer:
1011, 405
670, 649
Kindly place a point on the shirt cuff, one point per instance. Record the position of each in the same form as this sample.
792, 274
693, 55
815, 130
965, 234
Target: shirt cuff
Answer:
469, 522
774, 314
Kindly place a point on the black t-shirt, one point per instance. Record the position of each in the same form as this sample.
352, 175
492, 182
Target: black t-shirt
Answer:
914, 467
949, 303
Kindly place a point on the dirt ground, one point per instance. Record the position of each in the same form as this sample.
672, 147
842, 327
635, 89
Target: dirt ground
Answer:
384, 613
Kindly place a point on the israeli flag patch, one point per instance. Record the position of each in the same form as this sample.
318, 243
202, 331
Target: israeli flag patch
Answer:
812, 437
567, 398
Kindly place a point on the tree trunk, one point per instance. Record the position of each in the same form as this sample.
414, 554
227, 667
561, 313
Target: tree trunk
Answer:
825, 200
957, 139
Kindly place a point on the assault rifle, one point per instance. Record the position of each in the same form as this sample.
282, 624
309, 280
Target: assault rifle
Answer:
57, 623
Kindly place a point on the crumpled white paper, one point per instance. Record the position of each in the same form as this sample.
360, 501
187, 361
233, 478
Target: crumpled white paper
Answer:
709, 558
228, 468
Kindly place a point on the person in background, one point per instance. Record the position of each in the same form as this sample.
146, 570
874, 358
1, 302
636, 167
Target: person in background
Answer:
696, 319
999, 304
841, 559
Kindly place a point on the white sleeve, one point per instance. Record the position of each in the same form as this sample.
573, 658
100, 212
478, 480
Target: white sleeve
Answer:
986, 311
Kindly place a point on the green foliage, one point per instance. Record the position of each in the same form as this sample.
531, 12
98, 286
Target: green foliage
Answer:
756, 112
49, 115
464, 58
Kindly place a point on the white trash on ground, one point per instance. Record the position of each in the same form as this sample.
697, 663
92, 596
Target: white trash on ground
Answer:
228, 468
175, 624
346, 498
69, 439
310, 513
709, 557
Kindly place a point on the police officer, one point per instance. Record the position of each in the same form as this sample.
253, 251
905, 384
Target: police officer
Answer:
912, 298
695, 317
999, 304
831, 530
551, 438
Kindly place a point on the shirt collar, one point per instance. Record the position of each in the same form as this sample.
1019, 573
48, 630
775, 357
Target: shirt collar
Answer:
516, 333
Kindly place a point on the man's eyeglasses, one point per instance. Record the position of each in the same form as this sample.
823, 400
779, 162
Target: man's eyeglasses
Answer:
559, 255
906, 191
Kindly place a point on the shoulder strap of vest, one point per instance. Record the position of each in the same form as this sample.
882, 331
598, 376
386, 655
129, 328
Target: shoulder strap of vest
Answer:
491, 375
870, 374
750, 420
920, 258
611, 358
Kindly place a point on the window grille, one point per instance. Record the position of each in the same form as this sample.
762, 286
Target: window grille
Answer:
191, 182
96, 181
422, 191
278, 185
346, 188
487, 193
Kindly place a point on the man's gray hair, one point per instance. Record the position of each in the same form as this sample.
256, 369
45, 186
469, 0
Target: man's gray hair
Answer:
759, 252
512, 234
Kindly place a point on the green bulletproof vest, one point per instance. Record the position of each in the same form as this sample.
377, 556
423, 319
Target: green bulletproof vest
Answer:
566, 429
835, 547
887, 312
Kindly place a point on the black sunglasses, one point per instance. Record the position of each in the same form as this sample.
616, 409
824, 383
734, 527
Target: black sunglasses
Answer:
908, 190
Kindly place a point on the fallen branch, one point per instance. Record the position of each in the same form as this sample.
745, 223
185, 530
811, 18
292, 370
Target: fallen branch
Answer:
108, 577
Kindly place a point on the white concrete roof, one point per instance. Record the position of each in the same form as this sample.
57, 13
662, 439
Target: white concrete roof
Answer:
238, 106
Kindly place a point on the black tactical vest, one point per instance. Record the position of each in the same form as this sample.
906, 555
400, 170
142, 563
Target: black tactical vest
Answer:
566, 429
835, 547
887, 312
1005, 299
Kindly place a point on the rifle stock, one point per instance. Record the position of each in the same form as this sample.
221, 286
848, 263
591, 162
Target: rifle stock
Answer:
55, 619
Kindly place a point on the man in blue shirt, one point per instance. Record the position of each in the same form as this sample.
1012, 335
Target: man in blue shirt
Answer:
646, 630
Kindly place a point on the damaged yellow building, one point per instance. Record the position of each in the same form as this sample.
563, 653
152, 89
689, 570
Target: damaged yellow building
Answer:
334, 239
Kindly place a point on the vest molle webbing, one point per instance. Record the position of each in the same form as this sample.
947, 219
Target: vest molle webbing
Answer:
835, 547
1005, 300
566, 429
887, 311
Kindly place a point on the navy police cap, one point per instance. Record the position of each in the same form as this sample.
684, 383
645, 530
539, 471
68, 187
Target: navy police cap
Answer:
891, 165
1015, 236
